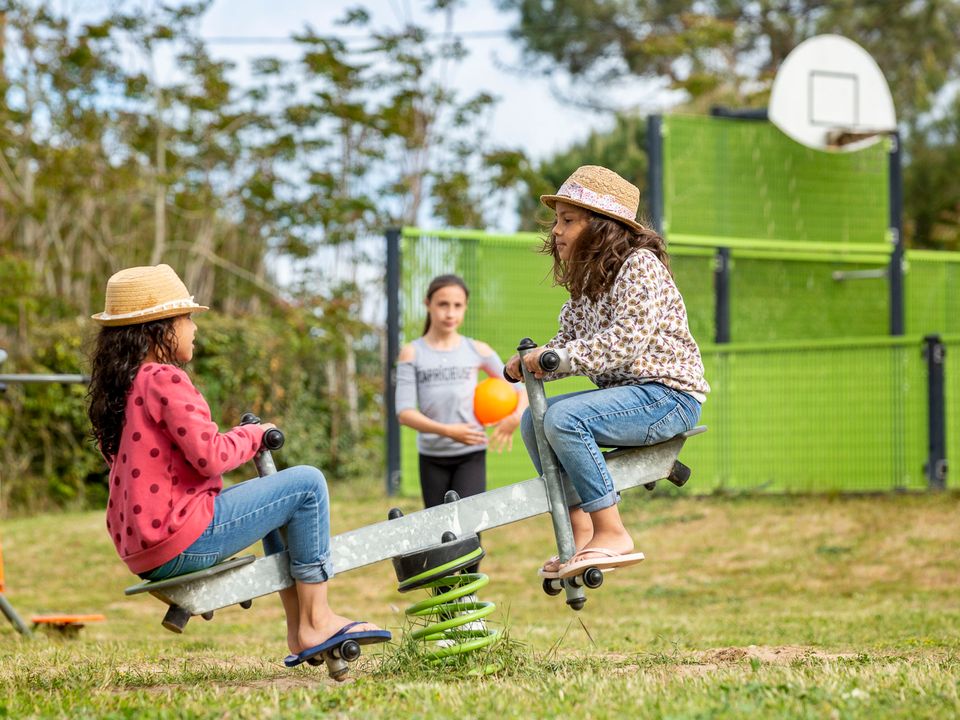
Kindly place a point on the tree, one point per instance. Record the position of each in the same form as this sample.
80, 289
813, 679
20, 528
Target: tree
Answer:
727, 52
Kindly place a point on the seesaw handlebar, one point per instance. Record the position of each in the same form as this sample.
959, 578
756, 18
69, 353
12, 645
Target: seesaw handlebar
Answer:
549, 360
272, 439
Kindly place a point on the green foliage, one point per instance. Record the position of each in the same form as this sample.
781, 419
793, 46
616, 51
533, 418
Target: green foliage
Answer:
274, 367
105, 165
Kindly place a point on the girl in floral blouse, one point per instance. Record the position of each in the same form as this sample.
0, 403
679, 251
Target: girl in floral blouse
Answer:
624, 327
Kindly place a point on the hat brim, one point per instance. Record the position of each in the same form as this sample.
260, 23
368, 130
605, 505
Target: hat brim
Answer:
112, 321
551, 202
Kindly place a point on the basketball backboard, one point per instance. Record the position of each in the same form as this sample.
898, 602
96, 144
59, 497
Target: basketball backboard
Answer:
830, 94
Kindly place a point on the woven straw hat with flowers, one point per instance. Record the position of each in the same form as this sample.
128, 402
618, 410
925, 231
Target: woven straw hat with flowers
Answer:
142, 294
602, 191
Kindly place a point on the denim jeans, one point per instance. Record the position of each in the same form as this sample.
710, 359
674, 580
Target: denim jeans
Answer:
578, 424
253, 510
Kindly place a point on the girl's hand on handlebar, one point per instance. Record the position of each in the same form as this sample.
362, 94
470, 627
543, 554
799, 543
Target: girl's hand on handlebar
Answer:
532, 361
267, 426
512, 368
466, 433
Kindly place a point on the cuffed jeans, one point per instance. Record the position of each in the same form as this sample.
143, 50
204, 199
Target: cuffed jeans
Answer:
253, 510
577, 424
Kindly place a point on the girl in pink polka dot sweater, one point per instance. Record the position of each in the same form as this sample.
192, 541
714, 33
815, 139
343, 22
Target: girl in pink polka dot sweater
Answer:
168, 512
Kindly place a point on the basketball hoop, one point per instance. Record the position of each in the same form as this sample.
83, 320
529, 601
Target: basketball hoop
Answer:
830, 95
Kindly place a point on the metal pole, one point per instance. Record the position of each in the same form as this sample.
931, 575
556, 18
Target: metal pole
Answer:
393, 349
936, 465
721, 296
897, 324
19, 625
655, 171
556, 497
26, 378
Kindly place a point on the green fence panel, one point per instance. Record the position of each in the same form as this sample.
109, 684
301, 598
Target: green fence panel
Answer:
817, 418
774, 299
745, 178
932, 284
804, 415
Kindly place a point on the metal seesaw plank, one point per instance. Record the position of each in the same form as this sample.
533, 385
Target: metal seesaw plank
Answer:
417, 531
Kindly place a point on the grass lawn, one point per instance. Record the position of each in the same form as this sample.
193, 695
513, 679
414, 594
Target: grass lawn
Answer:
820, 607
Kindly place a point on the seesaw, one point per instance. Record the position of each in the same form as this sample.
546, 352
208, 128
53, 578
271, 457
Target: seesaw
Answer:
430, 548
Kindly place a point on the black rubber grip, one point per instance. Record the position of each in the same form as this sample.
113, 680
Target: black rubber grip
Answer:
549, 361
507, 377
273, 439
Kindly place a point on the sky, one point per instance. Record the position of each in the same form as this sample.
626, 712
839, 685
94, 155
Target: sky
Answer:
528, 116
534, 113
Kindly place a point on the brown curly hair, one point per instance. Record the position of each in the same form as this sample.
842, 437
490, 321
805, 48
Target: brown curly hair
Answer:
598, 255
114, 363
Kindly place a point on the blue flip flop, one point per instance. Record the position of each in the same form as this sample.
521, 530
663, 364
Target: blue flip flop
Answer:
365, 637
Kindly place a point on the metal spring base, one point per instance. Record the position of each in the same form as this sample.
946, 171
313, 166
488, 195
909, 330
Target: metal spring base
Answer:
454, 616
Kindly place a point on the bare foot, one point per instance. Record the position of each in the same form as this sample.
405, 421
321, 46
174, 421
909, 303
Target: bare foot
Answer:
318, 634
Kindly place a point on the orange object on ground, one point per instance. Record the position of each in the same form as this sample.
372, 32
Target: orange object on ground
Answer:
66, 619
65, 625
493, 400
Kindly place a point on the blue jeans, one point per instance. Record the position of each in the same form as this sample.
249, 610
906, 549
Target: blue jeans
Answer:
250, 511
578, 424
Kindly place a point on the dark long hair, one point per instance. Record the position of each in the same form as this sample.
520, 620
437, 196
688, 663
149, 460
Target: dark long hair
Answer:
116, 358
598, 255
440, 282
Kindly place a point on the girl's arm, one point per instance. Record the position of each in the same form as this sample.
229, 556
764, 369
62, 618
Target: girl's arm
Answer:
176, 405
409, 415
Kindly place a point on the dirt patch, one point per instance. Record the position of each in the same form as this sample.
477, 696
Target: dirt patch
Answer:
778, 655
702, 662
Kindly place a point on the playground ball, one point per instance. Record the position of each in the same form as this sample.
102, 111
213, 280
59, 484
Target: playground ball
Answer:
493, 400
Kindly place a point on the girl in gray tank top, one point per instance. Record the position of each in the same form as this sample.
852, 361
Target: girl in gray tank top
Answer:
436, 379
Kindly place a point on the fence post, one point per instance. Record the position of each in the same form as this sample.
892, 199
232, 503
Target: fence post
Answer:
897, 323
393, 349
721, 299
936, 465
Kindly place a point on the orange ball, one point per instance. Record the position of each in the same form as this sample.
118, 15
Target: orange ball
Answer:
493, 400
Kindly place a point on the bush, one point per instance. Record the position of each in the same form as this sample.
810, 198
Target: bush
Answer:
273, 367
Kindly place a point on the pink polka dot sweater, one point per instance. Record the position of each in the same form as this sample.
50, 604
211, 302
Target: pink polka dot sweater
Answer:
169, 467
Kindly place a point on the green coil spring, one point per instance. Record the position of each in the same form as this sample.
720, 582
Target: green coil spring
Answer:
452, 615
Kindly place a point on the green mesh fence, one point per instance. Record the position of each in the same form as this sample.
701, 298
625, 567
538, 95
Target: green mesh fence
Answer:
811, 415
797, 404
746, 179
845, 415
932, 281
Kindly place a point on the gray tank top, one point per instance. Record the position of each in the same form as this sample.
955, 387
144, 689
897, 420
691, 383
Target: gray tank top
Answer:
440, 384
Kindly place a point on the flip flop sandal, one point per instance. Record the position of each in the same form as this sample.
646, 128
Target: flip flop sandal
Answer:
611, 561
550, 574
313, 655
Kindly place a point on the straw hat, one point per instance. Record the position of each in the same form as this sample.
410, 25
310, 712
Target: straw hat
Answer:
602, 191
141, 294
